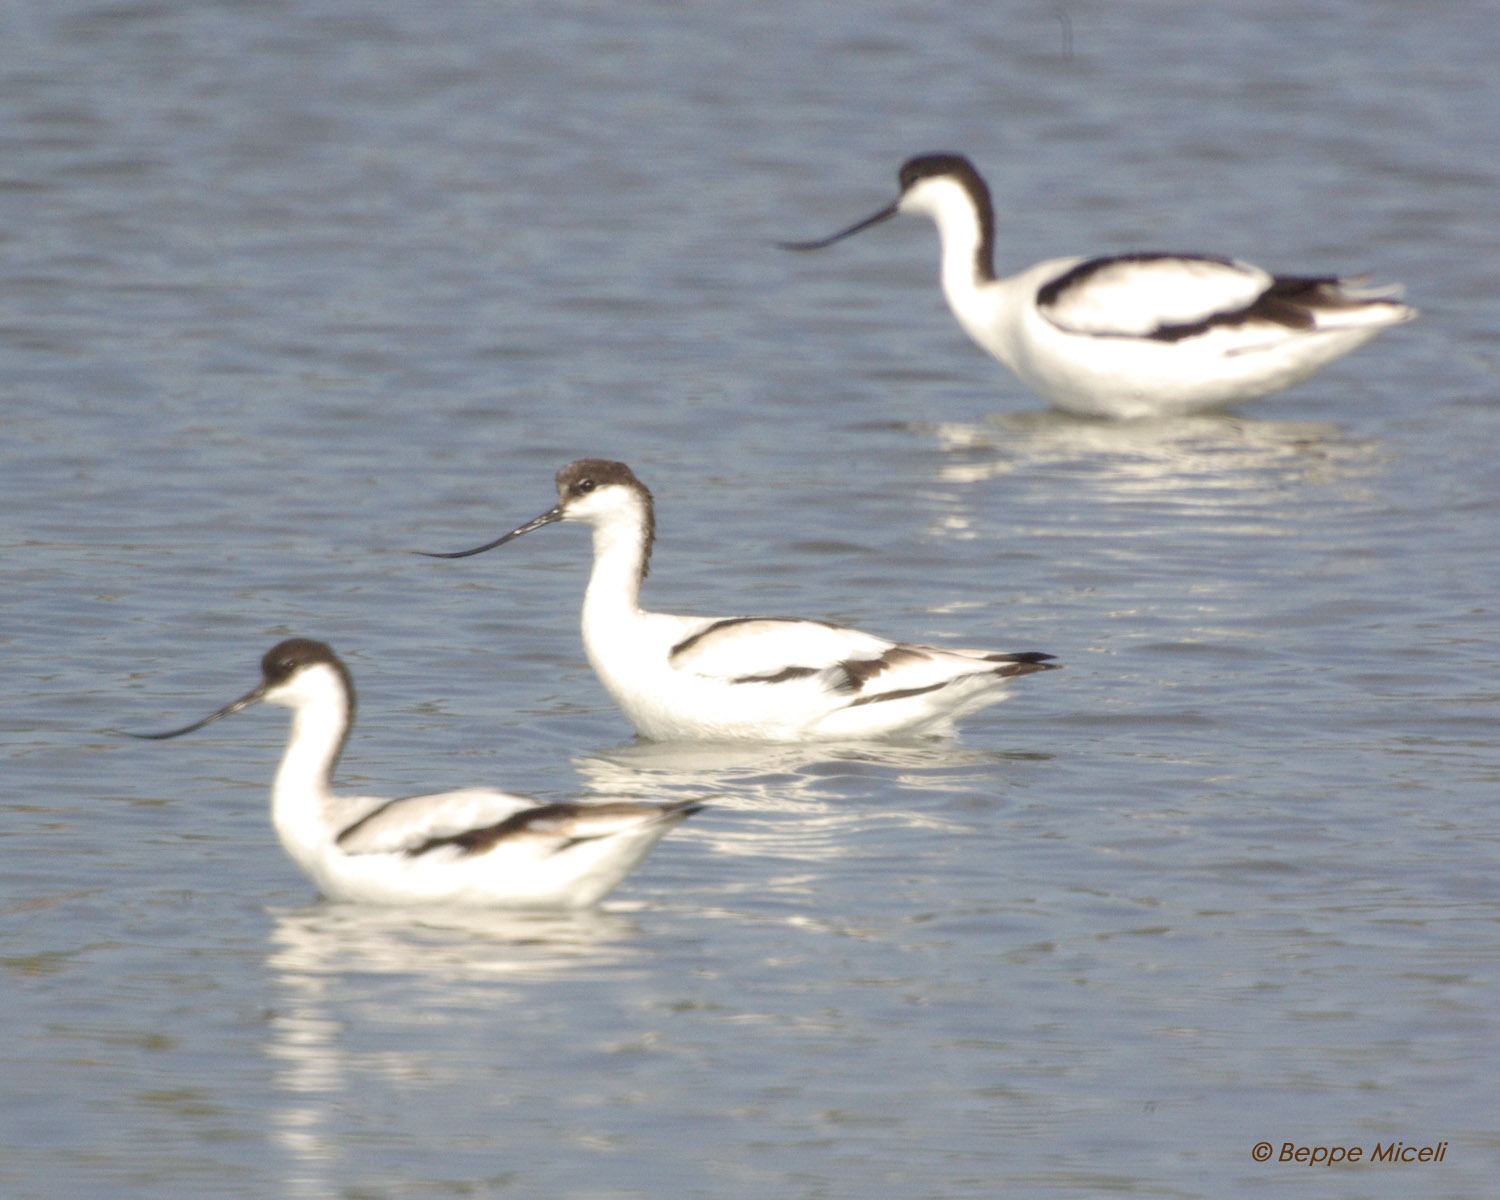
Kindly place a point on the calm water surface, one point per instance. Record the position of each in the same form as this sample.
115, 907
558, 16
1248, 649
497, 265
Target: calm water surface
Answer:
287, 291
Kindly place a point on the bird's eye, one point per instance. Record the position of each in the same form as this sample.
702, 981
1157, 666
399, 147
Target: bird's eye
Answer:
585, 486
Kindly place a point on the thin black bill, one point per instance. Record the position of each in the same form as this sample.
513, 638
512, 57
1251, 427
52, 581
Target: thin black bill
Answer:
885, 214
244, 701
551, 515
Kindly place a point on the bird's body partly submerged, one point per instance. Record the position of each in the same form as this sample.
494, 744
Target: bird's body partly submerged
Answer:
763, 678
474, 847
1132, 335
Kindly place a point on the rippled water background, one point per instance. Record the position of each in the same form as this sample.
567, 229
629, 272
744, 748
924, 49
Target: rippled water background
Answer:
288, 290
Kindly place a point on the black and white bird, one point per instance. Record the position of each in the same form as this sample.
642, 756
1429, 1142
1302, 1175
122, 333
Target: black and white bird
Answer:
764, 678
1132, 335
470, 848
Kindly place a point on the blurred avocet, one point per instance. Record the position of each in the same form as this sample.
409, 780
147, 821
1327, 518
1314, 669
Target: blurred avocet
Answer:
766, 678
475, 847
1132, 335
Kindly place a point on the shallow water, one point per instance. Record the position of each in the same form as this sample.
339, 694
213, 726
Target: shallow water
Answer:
289, 291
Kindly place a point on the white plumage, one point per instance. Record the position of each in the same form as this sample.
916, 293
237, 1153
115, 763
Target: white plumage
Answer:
473, 847
1133, 335
767, 678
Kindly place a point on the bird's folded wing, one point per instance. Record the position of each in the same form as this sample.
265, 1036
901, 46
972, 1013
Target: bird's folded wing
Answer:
401, 825
771, 649
1137, 295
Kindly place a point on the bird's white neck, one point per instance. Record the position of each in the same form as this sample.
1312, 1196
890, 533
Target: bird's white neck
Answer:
966, 279
622, 546
965, 232
965, 229
302, 795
